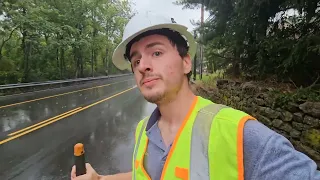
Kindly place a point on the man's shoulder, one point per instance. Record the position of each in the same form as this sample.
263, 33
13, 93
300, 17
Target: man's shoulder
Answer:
204, 99
256, 133
255, 142
207, 102
269, 155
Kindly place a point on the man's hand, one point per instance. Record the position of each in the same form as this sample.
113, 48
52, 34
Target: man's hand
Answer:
90, 175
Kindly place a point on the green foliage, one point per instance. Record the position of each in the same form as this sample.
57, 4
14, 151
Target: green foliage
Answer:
260, 39
48, 40
208, 80
301, 95
312, 137
9, 77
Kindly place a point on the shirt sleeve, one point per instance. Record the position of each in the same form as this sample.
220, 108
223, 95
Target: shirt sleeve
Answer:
270, 156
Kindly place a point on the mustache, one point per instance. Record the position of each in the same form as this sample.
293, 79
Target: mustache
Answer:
150, 76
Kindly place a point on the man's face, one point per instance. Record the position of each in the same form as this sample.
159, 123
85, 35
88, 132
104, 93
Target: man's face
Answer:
158, 68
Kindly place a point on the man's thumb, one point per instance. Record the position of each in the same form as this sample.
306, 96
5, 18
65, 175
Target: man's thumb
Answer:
88, 166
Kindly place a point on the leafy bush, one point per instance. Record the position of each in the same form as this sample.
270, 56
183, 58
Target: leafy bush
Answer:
10, 77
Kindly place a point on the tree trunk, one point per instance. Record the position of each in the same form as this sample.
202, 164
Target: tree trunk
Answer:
57, 57
25, 48
92, 59
311, 10
80, 58
236, 63
26, 51
92, 45
76, 60
62, 64
95, 61
4, 41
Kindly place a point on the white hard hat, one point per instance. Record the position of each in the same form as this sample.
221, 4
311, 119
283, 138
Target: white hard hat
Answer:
141, 23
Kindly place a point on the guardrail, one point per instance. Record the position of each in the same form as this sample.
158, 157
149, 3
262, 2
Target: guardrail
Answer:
9, 89
21, 85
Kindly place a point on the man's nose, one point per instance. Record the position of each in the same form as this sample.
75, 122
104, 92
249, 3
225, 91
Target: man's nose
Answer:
145, 64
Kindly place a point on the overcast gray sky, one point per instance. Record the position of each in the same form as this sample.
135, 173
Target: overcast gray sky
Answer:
167, 8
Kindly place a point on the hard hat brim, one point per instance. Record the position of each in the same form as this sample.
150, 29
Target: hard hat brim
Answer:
118, 57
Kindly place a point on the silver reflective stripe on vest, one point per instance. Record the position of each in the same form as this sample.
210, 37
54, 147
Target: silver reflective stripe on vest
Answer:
199, 161
137, 146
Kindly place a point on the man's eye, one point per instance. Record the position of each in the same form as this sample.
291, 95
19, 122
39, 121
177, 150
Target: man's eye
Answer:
136, 62
157, 53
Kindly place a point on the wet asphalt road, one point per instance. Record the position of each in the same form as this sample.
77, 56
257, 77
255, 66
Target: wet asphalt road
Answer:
108, 112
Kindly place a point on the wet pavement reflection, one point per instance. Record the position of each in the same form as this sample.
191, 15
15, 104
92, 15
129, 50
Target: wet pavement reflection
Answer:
19, 116
106, 130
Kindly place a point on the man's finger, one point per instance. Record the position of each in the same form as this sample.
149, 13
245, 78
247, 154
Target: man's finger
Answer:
73, 172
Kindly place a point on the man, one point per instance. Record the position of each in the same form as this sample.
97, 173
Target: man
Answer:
187, 136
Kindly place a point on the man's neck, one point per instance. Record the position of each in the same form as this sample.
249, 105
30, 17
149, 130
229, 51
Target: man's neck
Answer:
175, 110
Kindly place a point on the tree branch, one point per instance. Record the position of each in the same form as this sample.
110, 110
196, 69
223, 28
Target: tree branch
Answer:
314, 83
220, 56
5, 41
293, 83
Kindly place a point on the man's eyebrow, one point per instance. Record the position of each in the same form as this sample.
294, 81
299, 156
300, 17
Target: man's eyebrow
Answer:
153, 44
134, 53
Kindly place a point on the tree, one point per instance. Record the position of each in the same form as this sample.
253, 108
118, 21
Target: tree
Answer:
258, 39
49, 40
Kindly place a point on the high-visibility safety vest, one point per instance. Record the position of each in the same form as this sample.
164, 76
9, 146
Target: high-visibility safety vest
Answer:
208, 145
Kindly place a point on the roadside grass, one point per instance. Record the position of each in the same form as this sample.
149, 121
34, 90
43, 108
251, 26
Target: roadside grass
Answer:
208, 79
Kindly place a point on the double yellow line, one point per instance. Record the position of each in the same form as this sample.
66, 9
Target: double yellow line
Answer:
44, 123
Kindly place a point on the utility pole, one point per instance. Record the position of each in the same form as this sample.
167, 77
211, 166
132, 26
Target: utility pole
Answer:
201, 47
195, 60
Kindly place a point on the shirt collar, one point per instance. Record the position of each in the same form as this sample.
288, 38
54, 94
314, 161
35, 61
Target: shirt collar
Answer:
153, 118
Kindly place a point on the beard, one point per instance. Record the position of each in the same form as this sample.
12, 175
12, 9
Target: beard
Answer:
155, 98
161, 96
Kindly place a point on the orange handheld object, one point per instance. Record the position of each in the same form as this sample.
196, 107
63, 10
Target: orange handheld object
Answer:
79, 159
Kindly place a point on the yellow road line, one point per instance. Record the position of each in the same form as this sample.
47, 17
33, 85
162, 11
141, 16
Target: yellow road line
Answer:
107, 98
17, 132
23, 102
61, 117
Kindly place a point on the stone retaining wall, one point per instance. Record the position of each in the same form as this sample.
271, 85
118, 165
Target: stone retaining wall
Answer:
298, 122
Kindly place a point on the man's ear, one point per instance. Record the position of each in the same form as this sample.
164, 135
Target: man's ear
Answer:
187, 64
